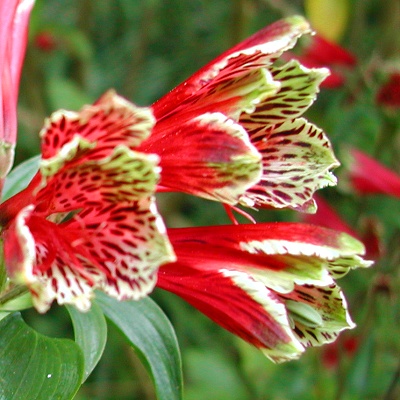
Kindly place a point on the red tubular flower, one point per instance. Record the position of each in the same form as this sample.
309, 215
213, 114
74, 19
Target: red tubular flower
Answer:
14, 18
233, 131
88, 219
321, 52
270, 284
368, 176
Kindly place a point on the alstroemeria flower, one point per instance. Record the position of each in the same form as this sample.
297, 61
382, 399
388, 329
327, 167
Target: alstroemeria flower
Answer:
368, 176
271, 284
88, 218
320, 52
14, 17
233, 131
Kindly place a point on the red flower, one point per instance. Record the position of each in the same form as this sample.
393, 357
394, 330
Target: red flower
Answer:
270, 284
88, 218
341, 348
368, 176
14, 17
45, 41
232, 132
389, 94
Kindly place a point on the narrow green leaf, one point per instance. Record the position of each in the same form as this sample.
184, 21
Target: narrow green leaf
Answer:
150, 333
34, 366
20, 176
90, 331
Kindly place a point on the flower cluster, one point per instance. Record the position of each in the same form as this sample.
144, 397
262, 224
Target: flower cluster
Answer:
232, 133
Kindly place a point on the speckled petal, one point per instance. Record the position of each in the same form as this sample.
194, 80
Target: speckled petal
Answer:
109, 122
318, 313
123, 176
297, 158
117, 249
129, 242
298, 90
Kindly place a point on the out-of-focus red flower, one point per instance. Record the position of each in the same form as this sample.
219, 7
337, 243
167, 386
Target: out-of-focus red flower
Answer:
368, 176
327, 217
45, 41
389, 94
332, 353
321, 52
371, 236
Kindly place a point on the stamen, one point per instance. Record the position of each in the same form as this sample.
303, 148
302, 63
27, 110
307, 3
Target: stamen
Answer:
229, 211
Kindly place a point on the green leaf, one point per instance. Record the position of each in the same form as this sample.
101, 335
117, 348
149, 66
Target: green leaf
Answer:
90, 331
150, 333
20, 176
34, 366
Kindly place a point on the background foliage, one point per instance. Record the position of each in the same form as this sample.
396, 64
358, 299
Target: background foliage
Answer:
143, 48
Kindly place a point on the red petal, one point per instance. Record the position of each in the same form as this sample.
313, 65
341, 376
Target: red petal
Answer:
217, 295
14, 17
117, 249
382, 180
299, 235
212, 158
328, 53
257, 51
13, 38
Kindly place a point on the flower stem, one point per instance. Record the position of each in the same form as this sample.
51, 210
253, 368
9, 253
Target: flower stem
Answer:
13, 293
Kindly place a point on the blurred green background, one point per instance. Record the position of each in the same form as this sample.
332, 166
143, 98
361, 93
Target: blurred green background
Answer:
143, 48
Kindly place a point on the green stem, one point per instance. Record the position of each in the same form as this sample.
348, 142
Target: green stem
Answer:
238, 21
391, 392
13, 293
